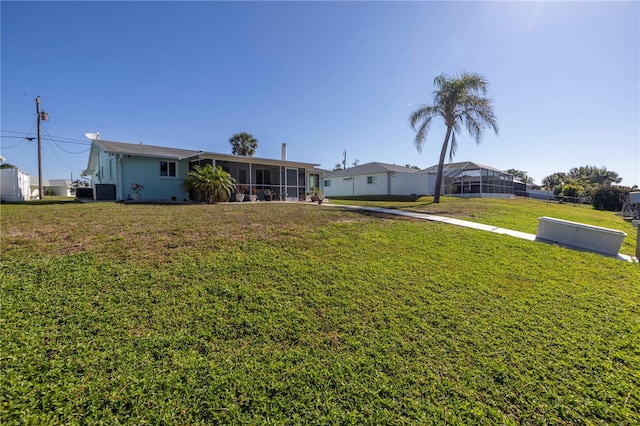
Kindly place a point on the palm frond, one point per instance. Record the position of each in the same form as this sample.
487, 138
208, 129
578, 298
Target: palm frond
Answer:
460, 101
243, 144
423, 115
454, 147
473, 82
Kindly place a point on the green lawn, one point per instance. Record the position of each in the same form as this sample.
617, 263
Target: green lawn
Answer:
519, 214
299, 314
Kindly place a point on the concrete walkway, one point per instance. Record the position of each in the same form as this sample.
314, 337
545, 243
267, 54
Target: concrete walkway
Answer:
464, 223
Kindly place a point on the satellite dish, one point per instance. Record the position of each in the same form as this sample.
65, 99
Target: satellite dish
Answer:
93, 136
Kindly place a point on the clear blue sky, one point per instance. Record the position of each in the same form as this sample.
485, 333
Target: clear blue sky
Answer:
322, 77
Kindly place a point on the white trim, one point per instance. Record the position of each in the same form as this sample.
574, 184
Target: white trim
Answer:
168, 169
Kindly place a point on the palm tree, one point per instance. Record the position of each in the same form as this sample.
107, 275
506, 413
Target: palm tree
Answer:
209, 184
521, 175
243, 144
592, 175
458, 102
554, 180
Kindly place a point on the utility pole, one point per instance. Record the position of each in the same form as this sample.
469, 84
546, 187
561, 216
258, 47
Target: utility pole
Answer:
40, 189
40, 116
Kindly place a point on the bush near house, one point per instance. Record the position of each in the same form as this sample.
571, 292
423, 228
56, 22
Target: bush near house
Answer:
209, 184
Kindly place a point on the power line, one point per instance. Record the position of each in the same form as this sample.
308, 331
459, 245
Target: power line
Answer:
226, 131
13, 131
56, 144
60, 159
16, 145
60, 139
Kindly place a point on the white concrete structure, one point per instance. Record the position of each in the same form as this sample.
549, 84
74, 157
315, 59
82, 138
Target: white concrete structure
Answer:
588, 237
378, 179
15, 185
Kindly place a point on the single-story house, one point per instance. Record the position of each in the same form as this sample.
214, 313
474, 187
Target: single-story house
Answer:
115, 166
378, 179
58, 187
469, 179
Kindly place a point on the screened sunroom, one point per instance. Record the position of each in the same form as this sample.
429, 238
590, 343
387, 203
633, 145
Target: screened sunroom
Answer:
469, 179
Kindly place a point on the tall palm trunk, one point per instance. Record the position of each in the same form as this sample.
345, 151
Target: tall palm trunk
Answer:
443, 152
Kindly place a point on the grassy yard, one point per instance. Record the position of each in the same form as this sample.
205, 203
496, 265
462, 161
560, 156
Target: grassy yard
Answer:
520, 214
299, 314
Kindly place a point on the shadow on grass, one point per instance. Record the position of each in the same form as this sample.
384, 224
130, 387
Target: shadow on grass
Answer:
44, 202
379, 215
385, 198
416, 201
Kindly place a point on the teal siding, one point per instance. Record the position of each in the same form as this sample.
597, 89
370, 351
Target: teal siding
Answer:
146, 171
107, 169
123, 170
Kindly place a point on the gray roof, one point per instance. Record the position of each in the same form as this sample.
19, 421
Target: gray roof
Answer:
370, 168
59, 182
145, 150
33, 181
463, 165
141, 150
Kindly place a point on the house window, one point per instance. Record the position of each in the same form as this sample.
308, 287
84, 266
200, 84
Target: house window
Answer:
168, 168
327, 182
372, 180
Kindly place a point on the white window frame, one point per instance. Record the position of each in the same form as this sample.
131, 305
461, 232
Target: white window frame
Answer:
372, 180
168, 175
327, 183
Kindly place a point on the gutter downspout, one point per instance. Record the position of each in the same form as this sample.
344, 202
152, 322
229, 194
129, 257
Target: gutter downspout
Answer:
119, 176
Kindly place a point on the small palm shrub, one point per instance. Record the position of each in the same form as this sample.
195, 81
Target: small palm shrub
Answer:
208, 184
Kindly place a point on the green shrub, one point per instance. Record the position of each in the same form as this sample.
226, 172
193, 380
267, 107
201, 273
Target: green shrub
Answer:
570, 190
610, 198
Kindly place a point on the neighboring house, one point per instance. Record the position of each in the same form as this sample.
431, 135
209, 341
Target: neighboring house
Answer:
14, 185
58, 187
114, 166
519, 188
33, 184
378, 179
469, 179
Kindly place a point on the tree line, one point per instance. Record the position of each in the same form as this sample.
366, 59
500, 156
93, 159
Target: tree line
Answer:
589, 185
